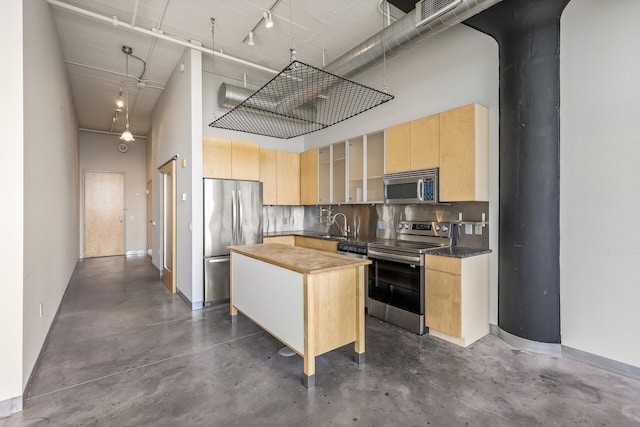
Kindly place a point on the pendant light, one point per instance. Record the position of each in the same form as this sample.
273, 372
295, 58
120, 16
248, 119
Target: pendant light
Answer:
127, 136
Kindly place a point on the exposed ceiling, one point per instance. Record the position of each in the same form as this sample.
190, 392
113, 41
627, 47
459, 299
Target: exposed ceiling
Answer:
96, 64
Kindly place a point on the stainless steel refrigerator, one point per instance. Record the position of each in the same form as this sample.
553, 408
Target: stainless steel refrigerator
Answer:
232, 216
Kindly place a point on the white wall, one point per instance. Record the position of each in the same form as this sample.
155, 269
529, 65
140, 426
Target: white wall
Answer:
11, 215
453, 68
177, 130
51, 184
600, 178
99, 152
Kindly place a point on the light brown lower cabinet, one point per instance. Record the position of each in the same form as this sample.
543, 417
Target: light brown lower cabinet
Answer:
285, 240
457, 298
313, 243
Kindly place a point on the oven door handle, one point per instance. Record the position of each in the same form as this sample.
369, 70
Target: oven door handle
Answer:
403, 259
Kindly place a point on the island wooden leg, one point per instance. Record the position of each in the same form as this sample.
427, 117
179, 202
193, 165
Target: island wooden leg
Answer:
359, 344
309, 379
233, 311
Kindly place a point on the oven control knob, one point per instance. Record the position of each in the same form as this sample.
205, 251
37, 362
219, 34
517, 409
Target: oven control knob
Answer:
438, 228
444, 228
400, 226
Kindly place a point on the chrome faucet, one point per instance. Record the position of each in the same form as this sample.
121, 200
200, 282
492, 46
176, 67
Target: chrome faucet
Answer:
344, 230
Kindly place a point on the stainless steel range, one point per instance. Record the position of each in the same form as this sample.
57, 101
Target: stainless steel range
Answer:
396, 276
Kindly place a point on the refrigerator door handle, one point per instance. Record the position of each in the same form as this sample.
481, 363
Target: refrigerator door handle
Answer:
219, 259
233, 217
241, 217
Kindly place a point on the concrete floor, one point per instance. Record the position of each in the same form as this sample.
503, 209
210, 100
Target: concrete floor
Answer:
124, 352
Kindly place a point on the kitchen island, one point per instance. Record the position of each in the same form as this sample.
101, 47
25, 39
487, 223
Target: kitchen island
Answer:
310, 300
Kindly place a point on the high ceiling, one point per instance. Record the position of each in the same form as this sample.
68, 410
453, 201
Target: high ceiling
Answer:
96, 64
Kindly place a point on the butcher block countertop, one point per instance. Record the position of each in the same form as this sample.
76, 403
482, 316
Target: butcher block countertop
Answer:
301, 260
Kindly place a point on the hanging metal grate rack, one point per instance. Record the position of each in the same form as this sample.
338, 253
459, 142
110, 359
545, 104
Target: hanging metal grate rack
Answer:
301, 99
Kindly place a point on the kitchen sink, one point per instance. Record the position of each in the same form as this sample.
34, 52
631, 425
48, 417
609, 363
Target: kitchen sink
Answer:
332, 237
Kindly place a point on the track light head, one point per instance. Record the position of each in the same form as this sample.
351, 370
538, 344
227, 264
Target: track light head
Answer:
268, 22
252, 41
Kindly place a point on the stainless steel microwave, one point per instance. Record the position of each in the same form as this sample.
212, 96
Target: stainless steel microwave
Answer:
420, 186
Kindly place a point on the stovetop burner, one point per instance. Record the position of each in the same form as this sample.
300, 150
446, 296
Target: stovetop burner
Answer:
417, 237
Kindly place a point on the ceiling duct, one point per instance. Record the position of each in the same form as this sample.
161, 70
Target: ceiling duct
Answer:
405, 32
299, 100
428, 18
230, 96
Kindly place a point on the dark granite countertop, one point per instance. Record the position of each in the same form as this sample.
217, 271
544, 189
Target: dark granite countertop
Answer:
320, 235
459, 252
453, 252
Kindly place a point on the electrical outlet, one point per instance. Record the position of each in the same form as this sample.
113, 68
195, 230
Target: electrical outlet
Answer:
468, 229
285, 220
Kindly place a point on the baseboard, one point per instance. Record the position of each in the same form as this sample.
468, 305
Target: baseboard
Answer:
199, 305
602, 362
36, 365
140, 252
529, 345
9, 406
494, 329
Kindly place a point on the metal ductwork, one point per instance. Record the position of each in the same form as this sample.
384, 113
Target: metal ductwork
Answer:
403, 34
429, 18
229, 96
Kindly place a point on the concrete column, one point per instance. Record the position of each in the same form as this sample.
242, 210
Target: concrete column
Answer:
528, 35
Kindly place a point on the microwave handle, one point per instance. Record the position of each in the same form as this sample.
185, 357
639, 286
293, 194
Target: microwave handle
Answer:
421, 190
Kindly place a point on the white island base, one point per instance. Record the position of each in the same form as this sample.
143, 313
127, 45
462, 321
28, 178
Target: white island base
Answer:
311, 301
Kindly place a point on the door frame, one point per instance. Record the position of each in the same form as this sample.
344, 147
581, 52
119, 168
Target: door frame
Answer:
170, 166
124, 210
149, 219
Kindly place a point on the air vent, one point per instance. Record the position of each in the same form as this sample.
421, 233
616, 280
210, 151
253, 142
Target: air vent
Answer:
428, 10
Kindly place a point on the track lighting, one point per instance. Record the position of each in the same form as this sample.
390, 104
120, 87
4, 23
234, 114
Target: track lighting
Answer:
119, 103
268, 22
251, 41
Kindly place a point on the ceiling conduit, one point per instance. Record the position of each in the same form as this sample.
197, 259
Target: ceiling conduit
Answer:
393, 39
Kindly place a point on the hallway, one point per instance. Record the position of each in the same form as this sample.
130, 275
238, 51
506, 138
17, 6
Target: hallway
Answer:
125, 352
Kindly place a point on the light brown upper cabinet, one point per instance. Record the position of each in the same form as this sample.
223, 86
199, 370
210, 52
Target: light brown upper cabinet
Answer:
288, 178
216, 158
413, 145
245, 160
425, 142
269, 175
309, 177
223, 158
399, 148
464, 154
280, 176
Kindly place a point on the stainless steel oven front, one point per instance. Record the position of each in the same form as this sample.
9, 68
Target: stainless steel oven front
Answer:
396, 288
396, 276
